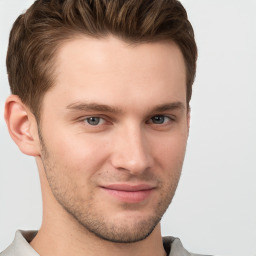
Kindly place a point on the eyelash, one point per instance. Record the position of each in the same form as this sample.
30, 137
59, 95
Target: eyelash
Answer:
96, 117
170, 119
150, 121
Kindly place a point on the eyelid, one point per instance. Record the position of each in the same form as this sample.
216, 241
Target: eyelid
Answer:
106, 120
170, 117
90, 116
109, 120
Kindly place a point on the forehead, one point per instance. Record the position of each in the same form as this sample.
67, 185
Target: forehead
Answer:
112, 54
109, 69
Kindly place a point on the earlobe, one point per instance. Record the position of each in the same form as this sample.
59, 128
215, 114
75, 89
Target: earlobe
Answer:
22, 125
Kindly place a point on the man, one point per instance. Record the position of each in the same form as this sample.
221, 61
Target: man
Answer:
100, 97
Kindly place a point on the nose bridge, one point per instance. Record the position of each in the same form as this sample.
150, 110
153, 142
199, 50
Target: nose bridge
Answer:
131, 151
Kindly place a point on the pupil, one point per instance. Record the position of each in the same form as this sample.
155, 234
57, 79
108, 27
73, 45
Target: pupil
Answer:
158, 119
93, 120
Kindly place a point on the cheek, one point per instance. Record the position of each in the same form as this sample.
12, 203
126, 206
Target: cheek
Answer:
169, 151
79, 156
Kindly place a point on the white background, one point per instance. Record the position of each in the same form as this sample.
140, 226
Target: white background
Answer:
214, 211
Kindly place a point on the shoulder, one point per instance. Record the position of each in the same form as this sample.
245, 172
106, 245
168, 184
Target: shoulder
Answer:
9, 251
20, 245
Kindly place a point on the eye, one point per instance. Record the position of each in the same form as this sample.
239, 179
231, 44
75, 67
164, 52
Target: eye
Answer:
160, 119
93, 120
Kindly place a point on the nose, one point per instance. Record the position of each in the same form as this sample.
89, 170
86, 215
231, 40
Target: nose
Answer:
131, 151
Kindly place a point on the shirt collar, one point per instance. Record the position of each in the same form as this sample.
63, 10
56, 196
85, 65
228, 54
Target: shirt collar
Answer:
174, 247
20, 246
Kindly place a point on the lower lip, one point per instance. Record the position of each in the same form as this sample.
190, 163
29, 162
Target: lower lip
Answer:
129, 196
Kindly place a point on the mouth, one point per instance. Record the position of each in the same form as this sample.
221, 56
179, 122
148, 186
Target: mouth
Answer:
129, 193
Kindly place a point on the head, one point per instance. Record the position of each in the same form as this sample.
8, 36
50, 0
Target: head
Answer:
108, 84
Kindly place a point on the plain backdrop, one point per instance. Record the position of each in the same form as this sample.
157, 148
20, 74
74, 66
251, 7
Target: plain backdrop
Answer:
214, 210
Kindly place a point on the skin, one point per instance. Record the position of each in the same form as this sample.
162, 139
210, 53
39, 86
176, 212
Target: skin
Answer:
109, 148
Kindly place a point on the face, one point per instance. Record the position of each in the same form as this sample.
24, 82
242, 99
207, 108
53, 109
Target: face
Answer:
113, 134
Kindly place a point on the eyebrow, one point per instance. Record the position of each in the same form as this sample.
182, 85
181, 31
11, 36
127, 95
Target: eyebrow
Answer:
94, 107
80, 106
170, 106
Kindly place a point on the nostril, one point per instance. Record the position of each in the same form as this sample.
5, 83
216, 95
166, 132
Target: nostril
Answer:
134, 163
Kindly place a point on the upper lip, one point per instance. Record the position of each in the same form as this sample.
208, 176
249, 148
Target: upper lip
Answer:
129, 187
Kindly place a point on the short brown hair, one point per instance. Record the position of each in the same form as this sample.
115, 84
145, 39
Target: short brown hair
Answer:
37, 34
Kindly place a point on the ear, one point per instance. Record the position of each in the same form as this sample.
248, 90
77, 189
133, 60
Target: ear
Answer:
22, 126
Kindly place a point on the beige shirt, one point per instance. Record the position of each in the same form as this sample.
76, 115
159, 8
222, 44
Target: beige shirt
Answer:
20, 246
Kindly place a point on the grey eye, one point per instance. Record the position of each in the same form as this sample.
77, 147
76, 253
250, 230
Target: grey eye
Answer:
93, 120
158, 119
